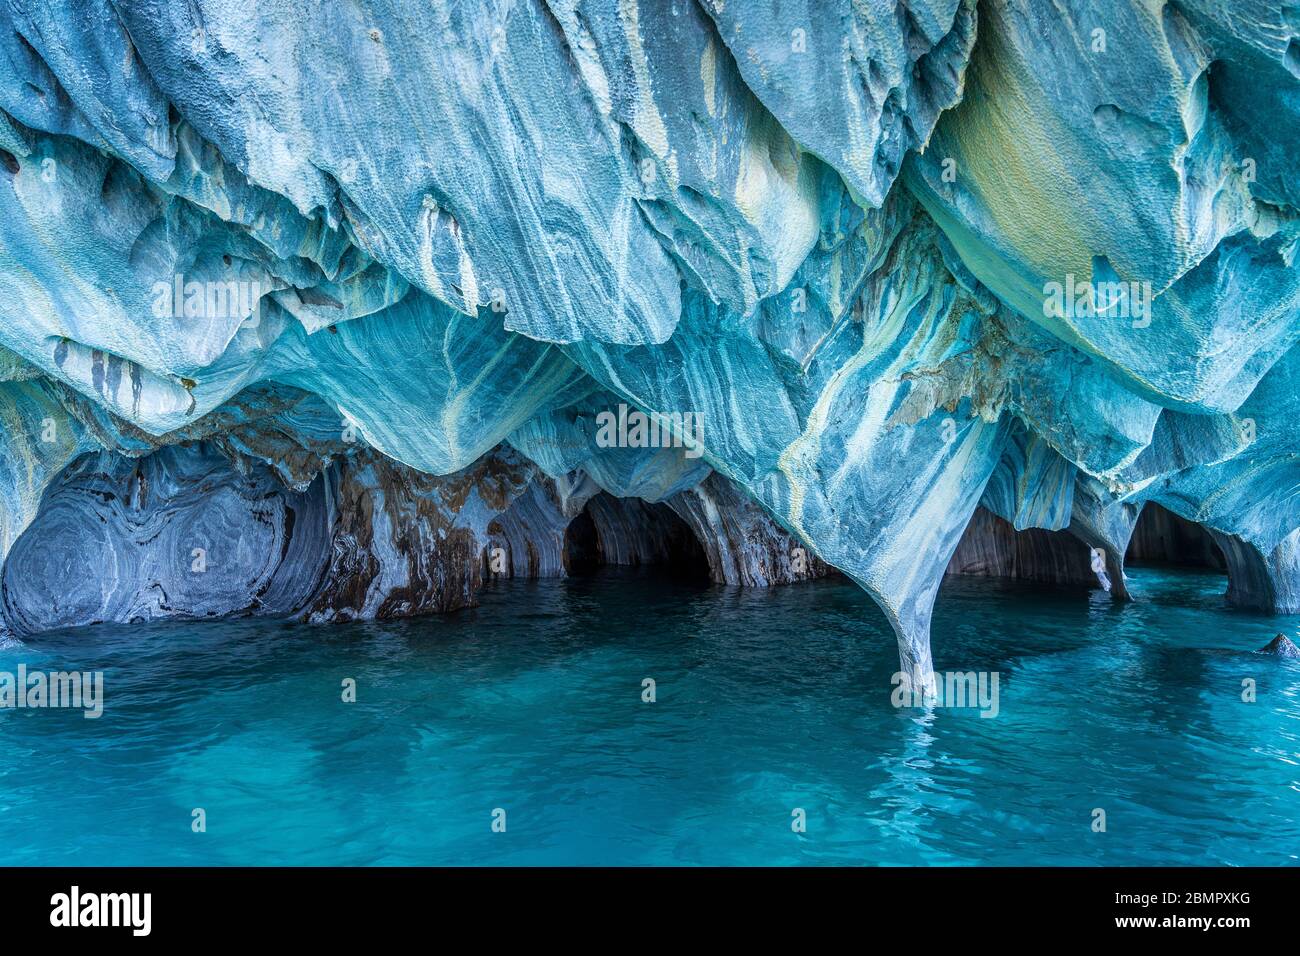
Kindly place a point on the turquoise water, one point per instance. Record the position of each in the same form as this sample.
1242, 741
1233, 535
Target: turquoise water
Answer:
766, 701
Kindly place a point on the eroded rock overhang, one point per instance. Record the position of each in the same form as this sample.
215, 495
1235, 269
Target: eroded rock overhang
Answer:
873, 272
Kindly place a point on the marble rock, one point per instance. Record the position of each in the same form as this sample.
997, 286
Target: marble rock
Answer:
343, 290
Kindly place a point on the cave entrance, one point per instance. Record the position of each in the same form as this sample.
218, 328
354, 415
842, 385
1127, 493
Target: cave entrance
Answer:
1164, 538
629, 532
992, 547
582, 546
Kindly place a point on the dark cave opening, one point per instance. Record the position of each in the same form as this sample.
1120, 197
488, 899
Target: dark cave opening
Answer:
992, 547
582, 546
629, 532
1164, 538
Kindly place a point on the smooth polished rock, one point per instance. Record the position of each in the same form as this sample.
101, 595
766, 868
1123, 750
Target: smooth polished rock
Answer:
893, 263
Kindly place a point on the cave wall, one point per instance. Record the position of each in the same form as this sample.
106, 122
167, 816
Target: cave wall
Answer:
744, 546
207, 529
177, 534
491, 224
1263, 581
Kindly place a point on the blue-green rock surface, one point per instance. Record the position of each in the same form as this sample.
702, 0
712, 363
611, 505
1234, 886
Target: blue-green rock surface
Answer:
343, 297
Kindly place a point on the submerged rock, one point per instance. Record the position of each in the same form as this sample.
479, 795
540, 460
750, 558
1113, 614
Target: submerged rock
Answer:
1280, 646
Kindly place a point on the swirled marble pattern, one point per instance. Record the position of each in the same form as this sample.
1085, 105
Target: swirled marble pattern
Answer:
828, 233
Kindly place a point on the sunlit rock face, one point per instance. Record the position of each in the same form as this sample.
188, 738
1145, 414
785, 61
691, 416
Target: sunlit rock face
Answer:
373, 303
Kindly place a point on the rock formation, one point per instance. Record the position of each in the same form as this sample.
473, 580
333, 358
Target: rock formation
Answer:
339, 296
1281, 646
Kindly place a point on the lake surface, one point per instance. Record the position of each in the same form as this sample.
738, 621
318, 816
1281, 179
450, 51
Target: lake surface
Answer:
766, 702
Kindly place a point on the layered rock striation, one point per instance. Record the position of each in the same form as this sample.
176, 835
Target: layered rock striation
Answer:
342, 297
